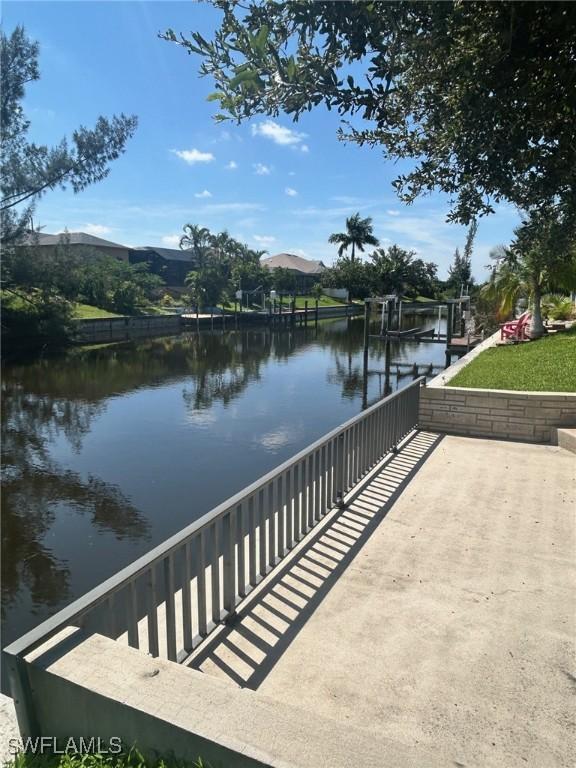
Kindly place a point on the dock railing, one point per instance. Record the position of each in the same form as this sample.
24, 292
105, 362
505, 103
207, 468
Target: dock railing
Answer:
168, 601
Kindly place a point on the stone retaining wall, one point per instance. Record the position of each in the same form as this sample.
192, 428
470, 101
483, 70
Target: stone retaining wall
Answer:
530, 416
509, 414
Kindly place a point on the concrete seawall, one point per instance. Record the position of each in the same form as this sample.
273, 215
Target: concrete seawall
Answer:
120, 328
101, 330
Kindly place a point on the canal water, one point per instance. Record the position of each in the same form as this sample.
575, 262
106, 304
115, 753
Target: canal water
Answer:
109, 450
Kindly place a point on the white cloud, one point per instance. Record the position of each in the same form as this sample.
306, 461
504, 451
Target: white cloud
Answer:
203, 195
304, 148
172, 241
290, 192
232, 165
95, 229
264, 239
393, 213
262, 170
279, 438
192, 156
279, 134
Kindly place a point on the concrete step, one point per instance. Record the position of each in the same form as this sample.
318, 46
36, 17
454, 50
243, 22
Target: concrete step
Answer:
567, 439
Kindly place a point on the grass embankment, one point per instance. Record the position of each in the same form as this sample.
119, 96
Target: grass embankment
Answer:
545, 365
88, 312
130, 759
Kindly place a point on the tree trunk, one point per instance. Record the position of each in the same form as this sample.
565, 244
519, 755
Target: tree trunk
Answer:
536, 328
352, 259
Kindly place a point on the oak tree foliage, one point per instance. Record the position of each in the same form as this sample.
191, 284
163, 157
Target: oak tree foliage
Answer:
480, 96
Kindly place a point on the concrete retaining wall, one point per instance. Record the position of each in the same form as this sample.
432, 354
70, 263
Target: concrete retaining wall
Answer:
119, 328
530, 416
345, 310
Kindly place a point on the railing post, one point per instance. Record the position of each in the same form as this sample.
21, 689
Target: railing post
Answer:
229, 586
340, 473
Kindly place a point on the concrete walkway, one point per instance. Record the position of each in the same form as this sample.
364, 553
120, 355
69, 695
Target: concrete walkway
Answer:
436, 611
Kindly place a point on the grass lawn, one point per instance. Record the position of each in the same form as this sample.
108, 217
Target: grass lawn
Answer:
324, 301
87, 312
545, 365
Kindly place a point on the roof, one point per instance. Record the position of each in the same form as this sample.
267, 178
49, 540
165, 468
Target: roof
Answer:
170, 254
74, 238
295, 263
83, 238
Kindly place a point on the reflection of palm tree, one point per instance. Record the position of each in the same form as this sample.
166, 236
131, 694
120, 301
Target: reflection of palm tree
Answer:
359, 232
221, 371
352, 379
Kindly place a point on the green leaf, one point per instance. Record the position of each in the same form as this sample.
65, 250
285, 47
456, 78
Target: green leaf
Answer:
242, 77
259, 42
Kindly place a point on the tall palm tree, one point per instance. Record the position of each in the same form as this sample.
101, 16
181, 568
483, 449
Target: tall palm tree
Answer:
359, 232
198, 240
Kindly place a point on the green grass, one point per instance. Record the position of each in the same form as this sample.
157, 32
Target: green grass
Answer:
127, 759
88, 312
324, 301
545, 365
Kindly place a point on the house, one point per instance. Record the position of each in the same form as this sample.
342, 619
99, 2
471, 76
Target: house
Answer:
306, 271
81, 243
171, 264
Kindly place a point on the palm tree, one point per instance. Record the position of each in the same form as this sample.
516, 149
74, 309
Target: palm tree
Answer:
225, 247
198, 240
542, 257
359, 232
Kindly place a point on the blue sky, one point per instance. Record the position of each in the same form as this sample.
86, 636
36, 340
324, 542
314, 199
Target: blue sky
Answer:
274, 184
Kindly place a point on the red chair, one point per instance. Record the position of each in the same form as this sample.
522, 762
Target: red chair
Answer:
516, 330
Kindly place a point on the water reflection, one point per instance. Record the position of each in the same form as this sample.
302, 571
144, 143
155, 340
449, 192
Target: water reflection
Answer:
108, 450
35, 487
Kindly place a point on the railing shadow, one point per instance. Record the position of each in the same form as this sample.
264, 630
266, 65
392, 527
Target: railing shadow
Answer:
246, 651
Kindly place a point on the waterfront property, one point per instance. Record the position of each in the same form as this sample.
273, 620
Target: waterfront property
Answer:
350, 604
307, 272
171, 264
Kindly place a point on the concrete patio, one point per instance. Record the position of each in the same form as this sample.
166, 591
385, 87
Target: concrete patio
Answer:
436, 611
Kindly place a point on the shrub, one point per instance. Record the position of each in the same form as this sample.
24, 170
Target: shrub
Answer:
558, 307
